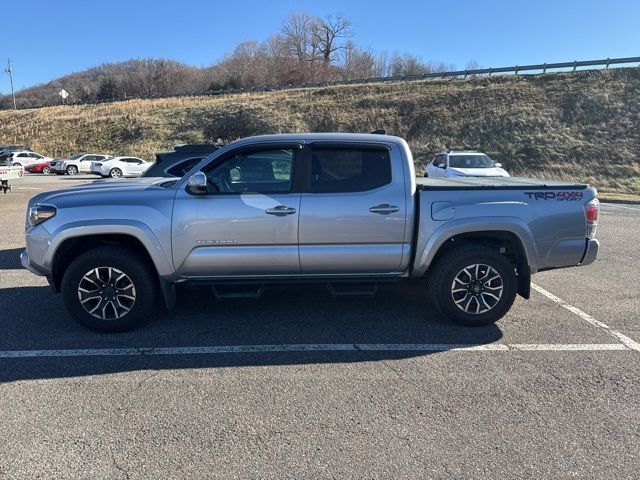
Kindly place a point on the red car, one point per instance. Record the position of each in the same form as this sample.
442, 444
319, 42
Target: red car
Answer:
44, 167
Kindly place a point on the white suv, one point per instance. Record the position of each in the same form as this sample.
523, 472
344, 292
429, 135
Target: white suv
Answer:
78, 163
464, 164
25, 158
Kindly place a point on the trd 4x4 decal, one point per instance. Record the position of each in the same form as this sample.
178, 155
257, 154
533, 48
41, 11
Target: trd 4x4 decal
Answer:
570, 196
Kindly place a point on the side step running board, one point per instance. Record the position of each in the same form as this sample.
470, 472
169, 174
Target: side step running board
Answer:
250, 292
351, 289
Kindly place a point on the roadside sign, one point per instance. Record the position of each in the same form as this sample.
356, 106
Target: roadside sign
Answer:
63, 93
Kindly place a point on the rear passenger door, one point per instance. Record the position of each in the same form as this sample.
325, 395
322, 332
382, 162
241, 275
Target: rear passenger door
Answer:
352, 219
84, 165
436, 170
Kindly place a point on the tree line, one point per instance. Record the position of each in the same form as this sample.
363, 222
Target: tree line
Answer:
307, 48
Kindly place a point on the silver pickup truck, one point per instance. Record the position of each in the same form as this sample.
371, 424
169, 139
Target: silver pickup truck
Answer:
345, 210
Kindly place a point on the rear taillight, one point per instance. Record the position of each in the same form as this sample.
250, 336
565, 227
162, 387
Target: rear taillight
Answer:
591, 211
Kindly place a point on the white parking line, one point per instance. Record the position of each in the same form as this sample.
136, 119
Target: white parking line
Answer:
628, 342
331, 347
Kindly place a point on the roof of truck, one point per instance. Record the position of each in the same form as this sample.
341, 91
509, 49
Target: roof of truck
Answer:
304, 137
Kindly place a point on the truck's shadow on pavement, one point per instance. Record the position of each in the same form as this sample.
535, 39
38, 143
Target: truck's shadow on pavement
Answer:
33, 318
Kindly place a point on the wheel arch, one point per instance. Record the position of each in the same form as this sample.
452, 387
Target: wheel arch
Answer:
515, 241
83, 236
72, 246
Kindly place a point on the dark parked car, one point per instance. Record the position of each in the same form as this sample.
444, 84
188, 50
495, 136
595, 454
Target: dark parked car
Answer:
179, 161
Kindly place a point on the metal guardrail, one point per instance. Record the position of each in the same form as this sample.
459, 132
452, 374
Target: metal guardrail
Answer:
516, 69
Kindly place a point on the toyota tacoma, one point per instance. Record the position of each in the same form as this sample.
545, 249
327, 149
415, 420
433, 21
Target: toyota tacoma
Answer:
344, 210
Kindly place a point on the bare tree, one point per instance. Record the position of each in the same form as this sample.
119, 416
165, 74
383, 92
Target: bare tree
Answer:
298, 32
381, 65
472, 65
330, 33
357, 63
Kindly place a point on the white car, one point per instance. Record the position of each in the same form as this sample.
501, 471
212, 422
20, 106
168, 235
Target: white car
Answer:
117, 167
25, 158
78, 163
464, 164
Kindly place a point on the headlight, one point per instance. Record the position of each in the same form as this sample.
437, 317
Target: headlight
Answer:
40, 213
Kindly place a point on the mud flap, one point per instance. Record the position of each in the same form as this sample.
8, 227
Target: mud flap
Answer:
168, 292
524, 282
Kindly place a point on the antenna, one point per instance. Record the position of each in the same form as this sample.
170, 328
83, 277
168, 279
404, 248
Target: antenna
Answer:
9, 70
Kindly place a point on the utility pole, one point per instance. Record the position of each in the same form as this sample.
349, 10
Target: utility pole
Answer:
9, 70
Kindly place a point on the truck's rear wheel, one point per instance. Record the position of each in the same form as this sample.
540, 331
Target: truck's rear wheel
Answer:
109, 289
473, 285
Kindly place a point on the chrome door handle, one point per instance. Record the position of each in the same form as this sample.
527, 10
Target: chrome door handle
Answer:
384, 209
280, 211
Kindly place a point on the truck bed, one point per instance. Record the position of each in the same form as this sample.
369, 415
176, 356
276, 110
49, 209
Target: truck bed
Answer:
500, 183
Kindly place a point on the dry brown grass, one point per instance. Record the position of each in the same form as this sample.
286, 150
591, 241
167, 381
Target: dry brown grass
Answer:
581, 126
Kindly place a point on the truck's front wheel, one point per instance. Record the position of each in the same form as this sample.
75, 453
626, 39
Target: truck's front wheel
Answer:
473, 285
109, 289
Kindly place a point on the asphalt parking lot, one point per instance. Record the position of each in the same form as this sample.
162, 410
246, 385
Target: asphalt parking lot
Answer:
301, 385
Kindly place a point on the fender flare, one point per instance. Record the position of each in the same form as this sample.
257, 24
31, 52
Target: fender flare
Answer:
134, 228
437, 239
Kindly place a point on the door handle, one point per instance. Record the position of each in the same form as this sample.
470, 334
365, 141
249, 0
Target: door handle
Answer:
384, 209
280, 211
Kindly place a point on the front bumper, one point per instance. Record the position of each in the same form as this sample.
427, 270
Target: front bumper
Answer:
591, 252
24, 260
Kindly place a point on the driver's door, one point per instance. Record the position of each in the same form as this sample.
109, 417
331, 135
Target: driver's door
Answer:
246, 224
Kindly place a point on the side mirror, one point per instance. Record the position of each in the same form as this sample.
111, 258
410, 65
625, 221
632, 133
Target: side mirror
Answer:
442, 165
197, 182
499, 165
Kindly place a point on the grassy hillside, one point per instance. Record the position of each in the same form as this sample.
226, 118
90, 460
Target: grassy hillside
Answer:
583, 126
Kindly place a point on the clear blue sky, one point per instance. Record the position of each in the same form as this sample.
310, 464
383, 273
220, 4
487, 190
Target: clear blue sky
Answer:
49, 38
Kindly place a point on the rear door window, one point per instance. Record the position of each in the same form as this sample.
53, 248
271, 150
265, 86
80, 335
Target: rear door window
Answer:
350, 169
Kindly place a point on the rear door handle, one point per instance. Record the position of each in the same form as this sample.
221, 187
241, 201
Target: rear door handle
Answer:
384, 209
280, 211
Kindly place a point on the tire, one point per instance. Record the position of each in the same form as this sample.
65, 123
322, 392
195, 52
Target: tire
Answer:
16, 164
46, 170
123, 314
473, 304
72, 170
115, 173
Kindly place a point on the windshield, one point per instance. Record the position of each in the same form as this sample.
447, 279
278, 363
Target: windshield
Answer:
76, 156
470, 161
